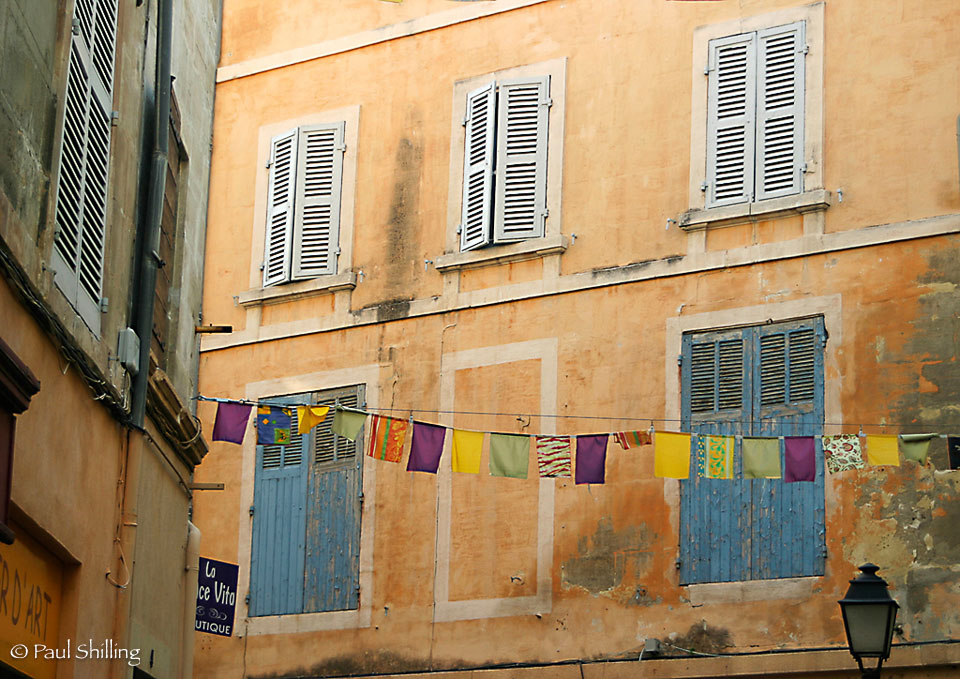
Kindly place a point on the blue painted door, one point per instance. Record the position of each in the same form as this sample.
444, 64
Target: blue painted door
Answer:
332, 576
279, 519
752, 381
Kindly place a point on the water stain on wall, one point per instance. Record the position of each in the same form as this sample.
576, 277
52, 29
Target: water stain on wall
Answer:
702, 638
366, 662
403, 226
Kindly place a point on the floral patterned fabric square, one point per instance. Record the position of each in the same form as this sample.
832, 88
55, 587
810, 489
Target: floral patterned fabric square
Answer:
842, 452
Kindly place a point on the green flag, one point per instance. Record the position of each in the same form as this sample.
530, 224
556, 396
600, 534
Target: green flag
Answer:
348, 423
915, 446
509, 455
761, 458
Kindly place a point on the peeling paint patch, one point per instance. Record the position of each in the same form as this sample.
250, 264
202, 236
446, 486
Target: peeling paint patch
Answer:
605, 558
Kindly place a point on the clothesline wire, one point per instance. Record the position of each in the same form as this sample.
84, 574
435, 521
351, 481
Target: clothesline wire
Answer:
586, 417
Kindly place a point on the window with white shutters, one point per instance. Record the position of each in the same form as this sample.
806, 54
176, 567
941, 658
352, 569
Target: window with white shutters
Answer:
303, 203
81, 205
755, 115
505, 162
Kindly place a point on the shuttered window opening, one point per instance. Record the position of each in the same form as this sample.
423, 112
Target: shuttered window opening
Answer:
303, 203
331, 448
716, 381
749, 529
82, 180
755, 108
505, 163
306, 516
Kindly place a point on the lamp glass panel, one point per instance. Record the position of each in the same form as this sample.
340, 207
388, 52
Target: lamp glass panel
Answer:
867, 625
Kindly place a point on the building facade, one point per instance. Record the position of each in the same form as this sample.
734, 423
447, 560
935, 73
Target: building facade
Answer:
98, 440
566, 218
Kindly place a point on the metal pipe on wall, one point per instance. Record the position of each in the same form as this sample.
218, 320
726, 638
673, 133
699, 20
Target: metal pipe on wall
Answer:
149, 255
191, 578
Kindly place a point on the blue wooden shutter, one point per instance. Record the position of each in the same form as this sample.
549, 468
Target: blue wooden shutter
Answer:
714, 513
788, 518
332, 574
279, 519
750, 529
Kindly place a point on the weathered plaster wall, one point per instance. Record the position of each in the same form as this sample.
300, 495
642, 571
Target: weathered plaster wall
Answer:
65, 480
195, 54
613, 575
76, 465
610, 568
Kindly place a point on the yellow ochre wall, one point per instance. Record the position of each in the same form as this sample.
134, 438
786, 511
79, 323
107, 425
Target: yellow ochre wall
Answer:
593, 331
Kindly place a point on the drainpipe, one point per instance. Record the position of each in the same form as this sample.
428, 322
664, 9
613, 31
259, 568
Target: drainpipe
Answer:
149, 255
190, 600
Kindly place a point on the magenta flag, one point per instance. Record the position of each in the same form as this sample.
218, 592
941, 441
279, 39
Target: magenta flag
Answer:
231, 422
591, 458
799, 458
426, 448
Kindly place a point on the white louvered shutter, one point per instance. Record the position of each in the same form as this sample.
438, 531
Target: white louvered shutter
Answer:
521, 173
317, 222
94, 207
731, 115
69, 210
280, 206
476, 214
85, 158
781, 54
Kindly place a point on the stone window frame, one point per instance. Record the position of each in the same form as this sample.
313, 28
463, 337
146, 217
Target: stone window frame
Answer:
814, 196
552, 241
345, 278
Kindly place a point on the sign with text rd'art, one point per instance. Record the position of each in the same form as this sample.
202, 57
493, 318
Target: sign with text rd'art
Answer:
216, 597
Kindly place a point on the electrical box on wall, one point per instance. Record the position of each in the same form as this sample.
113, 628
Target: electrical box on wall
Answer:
128, 351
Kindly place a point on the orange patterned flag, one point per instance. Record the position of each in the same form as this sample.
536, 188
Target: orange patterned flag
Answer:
629, 439
386, 438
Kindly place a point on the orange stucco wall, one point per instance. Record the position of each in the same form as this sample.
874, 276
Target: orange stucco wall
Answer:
889, 105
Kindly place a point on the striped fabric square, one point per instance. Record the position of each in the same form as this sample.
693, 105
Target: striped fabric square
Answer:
553, 456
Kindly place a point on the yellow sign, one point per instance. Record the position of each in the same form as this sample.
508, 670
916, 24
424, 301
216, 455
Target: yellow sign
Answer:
30, 599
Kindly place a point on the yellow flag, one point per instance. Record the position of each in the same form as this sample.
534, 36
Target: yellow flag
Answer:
671, 455
882, 449
467, 446
309, 417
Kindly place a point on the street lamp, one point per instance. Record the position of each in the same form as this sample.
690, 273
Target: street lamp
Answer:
869, 615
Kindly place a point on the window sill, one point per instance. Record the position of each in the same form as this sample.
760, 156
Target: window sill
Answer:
730, 215
502, 254
751, 590
299, 290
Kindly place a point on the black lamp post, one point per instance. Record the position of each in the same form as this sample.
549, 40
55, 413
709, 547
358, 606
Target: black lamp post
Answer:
869, 616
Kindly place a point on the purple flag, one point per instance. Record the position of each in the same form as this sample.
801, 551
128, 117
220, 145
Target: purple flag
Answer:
231, 422
799, 457
591, 458
427, 447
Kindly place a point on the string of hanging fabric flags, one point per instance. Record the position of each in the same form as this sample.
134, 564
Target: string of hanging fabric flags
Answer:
582, 456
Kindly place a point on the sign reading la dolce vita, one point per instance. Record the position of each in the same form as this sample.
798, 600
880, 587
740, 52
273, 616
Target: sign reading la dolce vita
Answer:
30, 600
